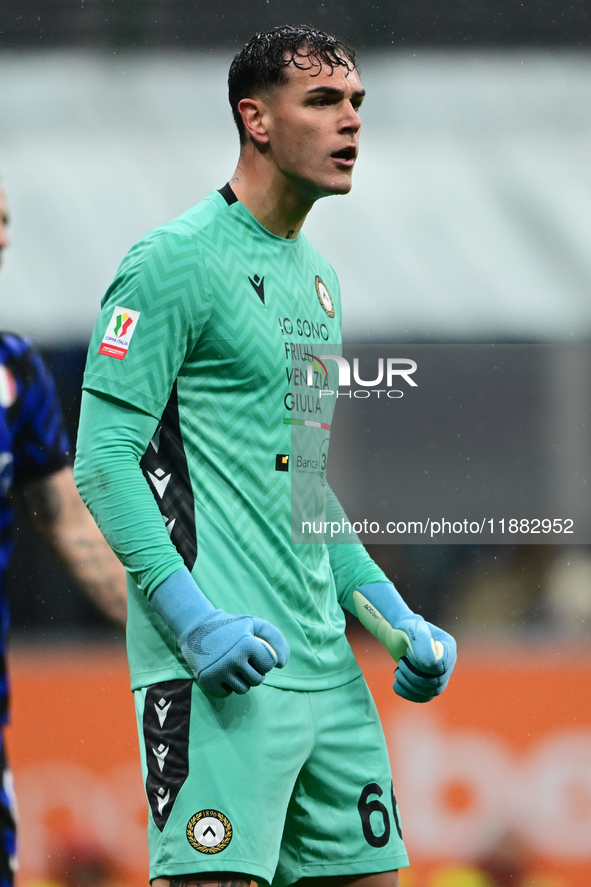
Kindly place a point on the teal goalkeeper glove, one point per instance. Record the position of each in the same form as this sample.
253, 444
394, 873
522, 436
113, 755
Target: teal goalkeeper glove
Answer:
225, 653
425, 654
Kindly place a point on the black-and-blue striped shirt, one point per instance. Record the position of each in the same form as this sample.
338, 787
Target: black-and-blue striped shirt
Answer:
33, 444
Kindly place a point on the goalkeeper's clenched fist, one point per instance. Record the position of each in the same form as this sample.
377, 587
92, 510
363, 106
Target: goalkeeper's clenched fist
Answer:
425, 654
225, 653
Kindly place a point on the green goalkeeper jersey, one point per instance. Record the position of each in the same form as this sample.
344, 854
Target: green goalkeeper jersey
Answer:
200, 329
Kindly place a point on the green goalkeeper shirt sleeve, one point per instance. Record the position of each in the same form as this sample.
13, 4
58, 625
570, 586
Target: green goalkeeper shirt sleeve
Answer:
350, 563
112, 438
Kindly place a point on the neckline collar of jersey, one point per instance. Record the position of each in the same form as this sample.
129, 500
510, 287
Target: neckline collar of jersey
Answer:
230, 198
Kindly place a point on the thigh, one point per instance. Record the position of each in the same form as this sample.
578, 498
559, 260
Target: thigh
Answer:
8, 863
378, 879
343, 819
219, 774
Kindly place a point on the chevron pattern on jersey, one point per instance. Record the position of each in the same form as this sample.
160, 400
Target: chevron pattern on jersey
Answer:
204, 328
161, 286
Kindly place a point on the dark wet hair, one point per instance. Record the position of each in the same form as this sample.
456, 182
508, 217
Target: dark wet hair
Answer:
262, 62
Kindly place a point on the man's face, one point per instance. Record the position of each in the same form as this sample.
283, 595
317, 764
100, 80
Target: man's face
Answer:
4, 239
313, 127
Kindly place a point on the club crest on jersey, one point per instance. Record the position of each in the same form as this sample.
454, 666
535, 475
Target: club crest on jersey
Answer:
324, 296
209, 831
119, 332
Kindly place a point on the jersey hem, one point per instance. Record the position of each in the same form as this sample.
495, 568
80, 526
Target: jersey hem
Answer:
169, 870
141, 679
343, 867
313, 682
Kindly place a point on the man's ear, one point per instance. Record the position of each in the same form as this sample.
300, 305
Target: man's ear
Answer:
254, 117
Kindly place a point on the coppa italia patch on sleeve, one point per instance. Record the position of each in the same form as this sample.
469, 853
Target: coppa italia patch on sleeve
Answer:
119, 332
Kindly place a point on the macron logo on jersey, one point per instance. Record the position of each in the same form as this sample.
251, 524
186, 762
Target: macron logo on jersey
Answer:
119, 332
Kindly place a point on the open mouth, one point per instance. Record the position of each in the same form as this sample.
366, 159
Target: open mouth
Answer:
345, 155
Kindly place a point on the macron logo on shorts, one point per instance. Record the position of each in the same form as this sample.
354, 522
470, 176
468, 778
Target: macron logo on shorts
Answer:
119, 332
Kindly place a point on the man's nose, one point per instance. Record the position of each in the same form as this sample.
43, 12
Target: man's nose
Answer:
351, 121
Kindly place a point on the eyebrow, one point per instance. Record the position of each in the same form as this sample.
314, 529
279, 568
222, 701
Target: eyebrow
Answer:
333, 90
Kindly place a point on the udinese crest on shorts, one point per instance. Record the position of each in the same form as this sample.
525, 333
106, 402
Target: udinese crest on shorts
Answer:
209, 831
324, 296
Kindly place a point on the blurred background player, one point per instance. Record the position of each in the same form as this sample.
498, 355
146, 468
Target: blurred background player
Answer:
186, 380
35, 466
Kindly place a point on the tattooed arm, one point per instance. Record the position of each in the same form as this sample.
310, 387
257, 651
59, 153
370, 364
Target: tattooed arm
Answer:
205, 879
54, 508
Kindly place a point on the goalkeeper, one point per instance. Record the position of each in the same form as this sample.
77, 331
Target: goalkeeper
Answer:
183, 458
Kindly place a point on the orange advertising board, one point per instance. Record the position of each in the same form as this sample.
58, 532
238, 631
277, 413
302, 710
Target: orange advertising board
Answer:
74, 752
500, 764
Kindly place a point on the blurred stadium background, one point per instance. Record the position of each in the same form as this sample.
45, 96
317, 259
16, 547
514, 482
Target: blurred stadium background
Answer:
469, 221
